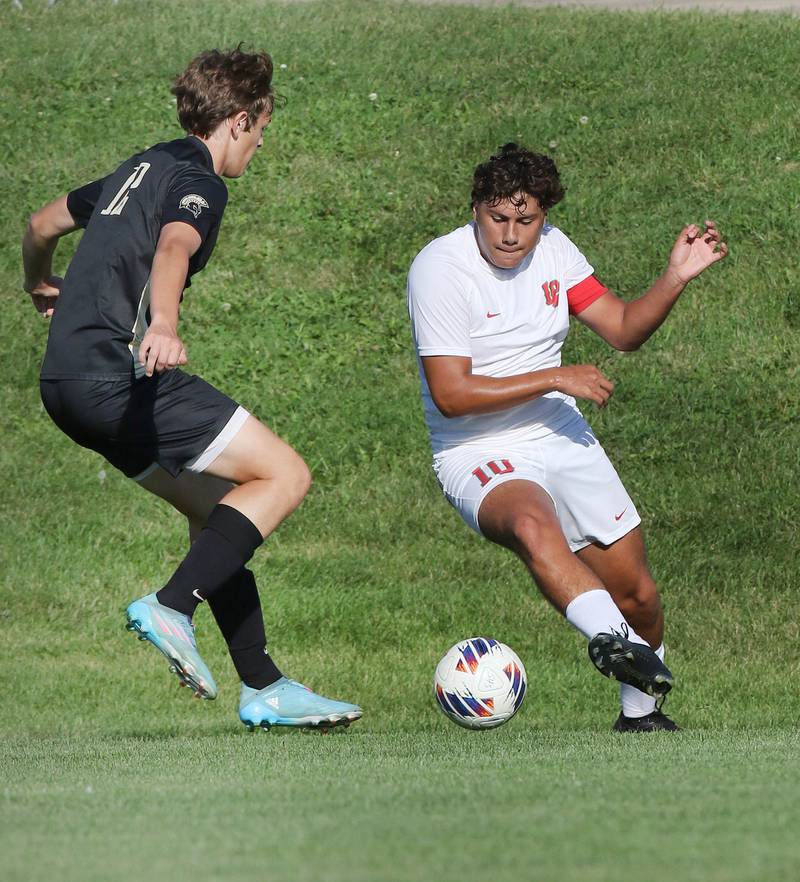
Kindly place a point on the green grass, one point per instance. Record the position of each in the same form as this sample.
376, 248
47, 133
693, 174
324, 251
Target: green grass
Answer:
374, 807
301, 317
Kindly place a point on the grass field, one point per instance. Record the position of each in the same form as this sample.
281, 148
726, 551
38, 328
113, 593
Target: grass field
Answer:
106, 772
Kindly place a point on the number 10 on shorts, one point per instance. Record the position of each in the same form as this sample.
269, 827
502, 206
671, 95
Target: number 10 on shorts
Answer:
504, 468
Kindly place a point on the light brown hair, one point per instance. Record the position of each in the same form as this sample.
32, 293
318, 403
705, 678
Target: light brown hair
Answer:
216, 85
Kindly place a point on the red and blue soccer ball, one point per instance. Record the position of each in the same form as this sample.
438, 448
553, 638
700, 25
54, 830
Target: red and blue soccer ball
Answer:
480, 683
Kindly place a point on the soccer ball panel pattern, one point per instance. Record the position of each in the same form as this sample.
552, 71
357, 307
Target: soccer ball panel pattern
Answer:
480, 683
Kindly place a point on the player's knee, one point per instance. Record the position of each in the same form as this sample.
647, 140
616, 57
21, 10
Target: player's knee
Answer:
286, 472
535, 533
295, 479
303, 477
642, 602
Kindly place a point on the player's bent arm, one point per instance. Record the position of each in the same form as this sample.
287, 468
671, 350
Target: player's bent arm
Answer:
45, 227
162, 349
456, 391
626, 326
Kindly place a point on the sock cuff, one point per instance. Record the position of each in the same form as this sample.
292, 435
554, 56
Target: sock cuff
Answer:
593, 594
236, 528
594, 611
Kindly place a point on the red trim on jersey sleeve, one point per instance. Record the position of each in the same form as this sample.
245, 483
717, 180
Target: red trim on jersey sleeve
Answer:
584, 294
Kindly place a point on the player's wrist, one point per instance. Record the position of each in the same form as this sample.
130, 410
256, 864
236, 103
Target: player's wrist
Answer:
161, 325
550, 378
673, 280
40, 287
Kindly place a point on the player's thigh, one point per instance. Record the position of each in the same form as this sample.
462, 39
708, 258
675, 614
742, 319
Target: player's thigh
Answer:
499, 491
469, 475
520, 515
622, 566
193, 494
256, 453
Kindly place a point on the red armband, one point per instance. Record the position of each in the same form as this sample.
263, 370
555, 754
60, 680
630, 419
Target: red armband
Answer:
584, 294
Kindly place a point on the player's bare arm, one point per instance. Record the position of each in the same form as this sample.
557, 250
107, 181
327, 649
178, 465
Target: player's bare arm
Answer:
626, 326
162, 348
456, 391
45, 228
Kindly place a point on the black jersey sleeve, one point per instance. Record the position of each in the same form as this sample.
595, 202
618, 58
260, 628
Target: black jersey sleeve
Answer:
81, 202
196, 199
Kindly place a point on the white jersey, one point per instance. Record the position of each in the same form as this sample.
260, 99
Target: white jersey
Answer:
508, 321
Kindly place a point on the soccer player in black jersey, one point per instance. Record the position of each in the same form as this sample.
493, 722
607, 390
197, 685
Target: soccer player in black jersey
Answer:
111, 378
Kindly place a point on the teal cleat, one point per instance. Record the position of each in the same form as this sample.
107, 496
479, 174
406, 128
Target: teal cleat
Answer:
289, 703
172, 633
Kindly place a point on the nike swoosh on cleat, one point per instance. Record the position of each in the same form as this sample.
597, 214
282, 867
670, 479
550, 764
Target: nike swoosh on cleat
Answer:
201, 599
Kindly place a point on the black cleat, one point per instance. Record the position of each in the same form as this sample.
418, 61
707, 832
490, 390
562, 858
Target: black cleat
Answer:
654, 722
632, 663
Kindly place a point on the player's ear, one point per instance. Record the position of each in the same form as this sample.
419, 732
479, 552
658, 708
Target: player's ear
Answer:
239, 123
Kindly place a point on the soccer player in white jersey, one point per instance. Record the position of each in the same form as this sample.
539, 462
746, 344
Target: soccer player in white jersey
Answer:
490, 305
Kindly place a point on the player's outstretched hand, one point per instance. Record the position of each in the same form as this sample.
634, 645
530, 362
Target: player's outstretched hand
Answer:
695, 250
161, 350
44, 295
584, 381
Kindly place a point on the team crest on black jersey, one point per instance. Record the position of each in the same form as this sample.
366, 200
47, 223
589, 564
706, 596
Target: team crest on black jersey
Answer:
194, 203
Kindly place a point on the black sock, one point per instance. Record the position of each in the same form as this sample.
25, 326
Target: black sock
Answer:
237, 609
224, 546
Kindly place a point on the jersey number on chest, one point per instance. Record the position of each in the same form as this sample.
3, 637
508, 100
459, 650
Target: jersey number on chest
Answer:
551, 290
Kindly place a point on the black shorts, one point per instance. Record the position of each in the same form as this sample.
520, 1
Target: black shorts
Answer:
169, 419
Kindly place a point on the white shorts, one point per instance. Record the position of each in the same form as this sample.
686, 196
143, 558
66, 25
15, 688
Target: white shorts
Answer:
591, 503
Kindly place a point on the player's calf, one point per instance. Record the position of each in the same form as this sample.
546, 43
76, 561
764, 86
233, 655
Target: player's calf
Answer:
640, 603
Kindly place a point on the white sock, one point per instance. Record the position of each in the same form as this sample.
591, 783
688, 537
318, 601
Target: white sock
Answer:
595, 611
634, 702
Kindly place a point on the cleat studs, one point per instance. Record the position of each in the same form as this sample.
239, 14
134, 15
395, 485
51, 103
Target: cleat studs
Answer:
142, 637
265, 726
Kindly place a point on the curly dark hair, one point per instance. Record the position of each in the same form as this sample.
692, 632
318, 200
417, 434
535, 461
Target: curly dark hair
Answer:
217, 84
515, 172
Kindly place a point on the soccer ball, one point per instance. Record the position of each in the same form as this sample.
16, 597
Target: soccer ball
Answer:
480, 683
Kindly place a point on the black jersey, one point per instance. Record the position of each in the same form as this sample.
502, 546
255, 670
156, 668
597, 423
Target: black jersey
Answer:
103, 308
